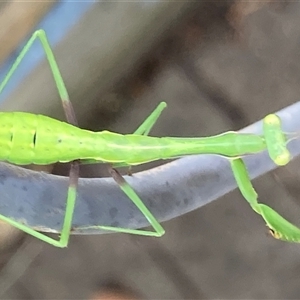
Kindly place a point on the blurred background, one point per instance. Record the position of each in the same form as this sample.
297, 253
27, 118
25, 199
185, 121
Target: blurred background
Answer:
220, 66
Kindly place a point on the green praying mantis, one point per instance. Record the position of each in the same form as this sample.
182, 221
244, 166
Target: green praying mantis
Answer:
29, 138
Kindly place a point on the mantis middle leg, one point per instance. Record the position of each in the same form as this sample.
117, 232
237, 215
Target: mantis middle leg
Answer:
143, 129
74, 170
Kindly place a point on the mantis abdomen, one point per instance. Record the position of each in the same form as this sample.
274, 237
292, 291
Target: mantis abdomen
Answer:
28, 138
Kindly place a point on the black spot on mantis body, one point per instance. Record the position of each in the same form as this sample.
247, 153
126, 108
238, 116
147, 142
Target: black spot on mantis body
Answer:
34, 138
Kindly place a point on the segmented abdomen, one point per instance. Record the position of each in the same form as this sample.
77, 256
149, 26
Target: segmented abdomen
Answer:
28, 138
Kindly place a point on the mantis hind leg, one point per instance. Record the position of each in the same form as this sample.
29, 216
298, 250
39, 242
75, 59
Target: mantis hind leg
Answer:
71, 118
132, 195
67, 223
70, 115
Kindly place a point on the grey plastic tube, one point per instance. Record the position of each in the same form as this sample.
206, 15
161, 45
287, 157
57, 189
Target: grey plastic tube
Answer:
38, 199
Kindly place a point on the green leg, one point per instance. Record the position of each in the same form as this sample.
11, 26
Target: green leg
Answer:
41, 35
65, 233
74, 171
147, 125
143, 129
279, 227
132, 195
128, 190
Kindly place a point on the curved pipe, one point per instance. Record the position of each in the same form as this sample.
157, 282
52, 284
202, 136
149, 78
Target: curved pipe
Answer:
169, 191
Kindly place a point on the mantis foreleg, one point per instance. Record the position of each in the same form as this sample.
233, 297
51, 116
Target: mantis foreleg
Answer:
128, 190
279, 227
275, 139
